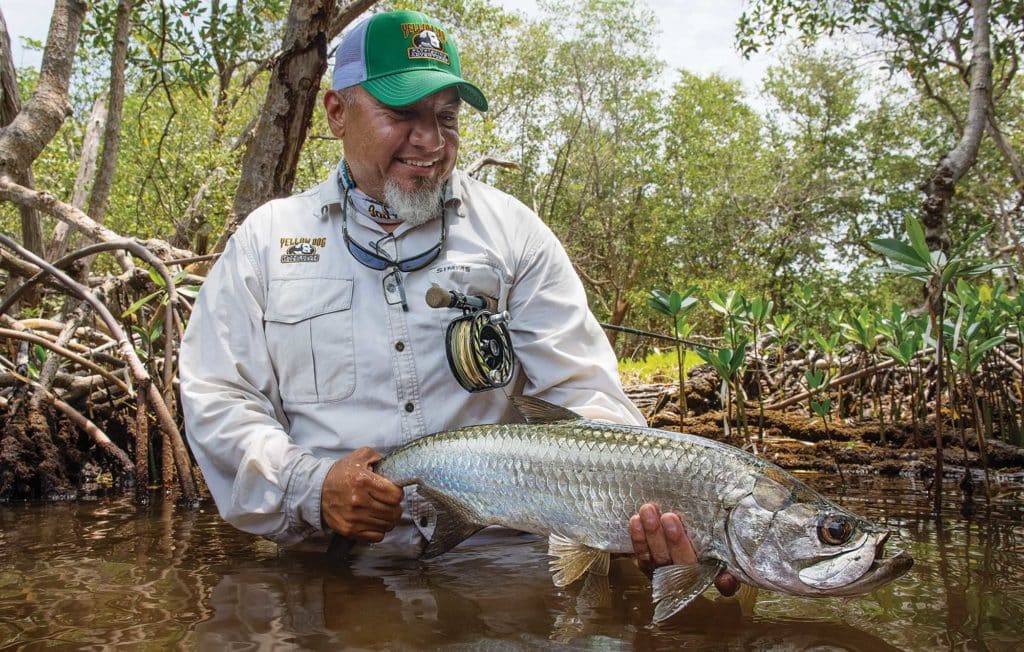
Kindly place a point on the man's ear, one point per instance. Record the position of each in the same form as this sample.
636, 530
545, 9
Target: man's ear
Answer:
335, 108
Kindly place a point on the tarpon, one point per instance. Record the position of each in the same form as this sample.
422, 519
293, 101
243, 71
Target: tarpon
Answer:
578, 481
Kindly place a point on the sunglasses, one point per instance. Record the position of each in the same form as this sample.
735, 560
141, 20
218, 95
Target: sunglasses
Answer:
394, 288
376, 260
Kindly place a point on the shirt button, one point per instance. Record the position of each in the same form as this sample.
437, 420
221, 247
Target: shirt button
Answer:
409, 407
399, 346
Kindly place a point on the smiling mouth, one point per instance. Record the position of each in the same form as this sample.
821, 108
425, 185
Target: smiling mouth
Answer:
418, 164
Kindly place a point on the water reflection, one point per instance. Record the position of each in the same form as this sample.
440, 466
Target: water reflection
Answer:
109, 573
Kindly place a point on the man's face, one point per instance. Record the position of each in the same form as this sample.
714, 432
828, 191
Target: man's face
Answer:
413, 147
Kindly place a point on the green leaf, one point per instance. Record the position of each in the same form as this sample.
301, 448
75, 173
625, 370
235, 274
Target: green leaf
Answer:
825, 345
814, 378
712, 358
969, 240
895, 354
900, 252
821, 408
141, 332
675, 301
989, 344
156, 278
659, 307
132, 309
950, 272
916, 233
189, 291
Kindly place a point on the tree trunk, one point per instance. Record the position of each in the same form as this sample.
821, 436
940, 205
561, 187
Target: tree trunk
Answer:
272, 153
940, 186
112, 130
24, 138
268, 165
58, 245
10, 106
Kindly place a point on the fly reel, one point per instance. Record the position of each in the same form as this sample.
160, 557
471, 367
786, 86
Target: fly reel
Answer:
477, 344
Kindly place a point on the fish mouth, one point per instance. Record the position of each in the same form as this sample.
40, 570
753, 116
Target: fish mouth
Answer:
882, 570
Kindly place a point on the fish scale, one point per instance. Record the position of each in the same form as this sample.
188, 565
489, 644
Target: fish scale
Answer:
580, 481
599, 474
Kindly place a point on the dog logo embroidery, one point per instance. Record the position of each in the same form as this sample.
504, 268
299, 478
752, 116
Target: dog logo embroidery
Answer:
302, 249
427, 43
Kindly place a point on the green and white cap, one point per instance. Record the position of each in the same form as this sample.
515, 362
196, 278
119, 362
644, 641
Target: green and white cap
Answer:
400, 57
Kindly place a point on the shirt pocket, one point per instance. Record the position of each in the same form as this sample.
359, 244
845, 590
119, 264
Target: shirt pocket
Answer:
308, 326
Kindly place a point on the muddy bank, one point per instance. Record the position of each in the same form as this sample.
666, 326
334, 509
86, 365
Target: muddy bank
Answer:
795, 440
44, 455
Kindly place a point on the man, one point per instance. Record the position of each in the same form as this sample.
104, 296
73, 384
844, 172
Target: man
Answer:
311, 346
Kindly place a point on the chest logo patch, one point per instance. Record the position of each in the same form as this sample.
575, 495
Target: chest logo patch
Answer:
302, 249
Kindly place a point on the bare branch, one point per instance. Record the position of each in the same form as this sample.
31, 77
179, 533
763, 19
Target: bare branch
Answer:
940, 185
112, 129
58, 245
50, 205
344, 15
476, 166
10, 334
127, 351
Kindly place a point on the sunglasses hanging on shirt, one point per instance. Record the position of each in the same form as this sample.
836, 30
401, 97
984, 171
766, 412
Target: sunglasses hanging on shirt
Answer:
376, 258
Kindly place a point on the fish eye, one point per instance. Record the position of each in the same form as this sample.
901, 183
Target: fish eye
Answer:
834, 530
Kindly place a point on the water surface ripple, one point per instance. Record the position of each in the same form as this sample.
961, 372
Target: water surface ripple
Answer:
107, 573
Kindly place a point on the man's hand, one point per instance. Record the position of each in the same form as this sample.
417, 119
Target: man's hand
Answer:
661, 539
356, 502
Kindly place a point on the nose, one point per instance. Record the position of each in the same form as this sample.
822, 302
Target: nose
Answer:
426, 134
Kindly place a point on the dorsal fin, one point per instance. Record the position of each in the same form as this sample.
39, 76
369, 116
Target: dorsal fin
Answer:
536, 410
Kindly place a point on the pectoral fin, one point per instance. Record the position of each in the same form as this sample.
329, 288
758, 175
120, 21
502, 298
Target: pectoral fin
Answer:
573, 559
678, 585
454, 523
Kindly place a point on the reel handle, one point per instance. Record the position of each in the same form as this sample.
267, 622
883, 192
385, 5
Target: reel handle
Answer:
439, 297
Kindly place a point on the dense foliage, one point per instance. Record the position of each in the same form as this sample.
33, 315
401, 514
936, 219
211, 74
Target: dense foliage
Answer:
651, 178
756, 225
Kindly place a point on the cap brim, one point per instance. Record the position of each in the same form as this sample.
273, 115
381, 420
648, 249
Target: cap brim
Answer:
404, 88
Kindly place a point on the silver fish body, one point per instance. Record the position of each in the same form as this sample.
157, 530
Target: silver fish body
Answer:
579, 481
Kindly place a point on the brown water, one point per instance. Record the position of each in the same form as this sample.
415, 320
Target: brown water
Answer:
109, 573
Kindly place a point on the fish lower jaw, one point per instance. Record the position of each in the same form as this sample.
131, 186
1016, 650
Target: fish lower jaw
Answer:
882, 571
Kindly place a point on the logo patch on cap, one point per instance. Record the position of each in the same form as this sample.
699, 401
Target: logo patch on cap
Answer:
428, 42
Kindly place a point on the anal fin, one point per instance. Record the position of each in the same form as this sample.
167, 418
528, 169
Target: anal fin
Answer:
573, 559
454, 523
678, 585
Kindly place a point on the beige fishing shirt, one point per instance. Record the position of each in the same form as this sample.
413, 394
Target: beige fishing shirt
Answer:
294, 357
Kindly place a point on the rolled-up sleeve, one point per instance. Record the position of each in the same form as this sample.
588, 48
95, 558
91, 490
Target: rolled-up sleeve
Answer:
261, 480
563, 350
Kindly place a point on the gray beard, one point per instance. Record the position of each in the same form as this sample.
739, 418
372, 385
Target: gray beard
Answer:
417, 207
